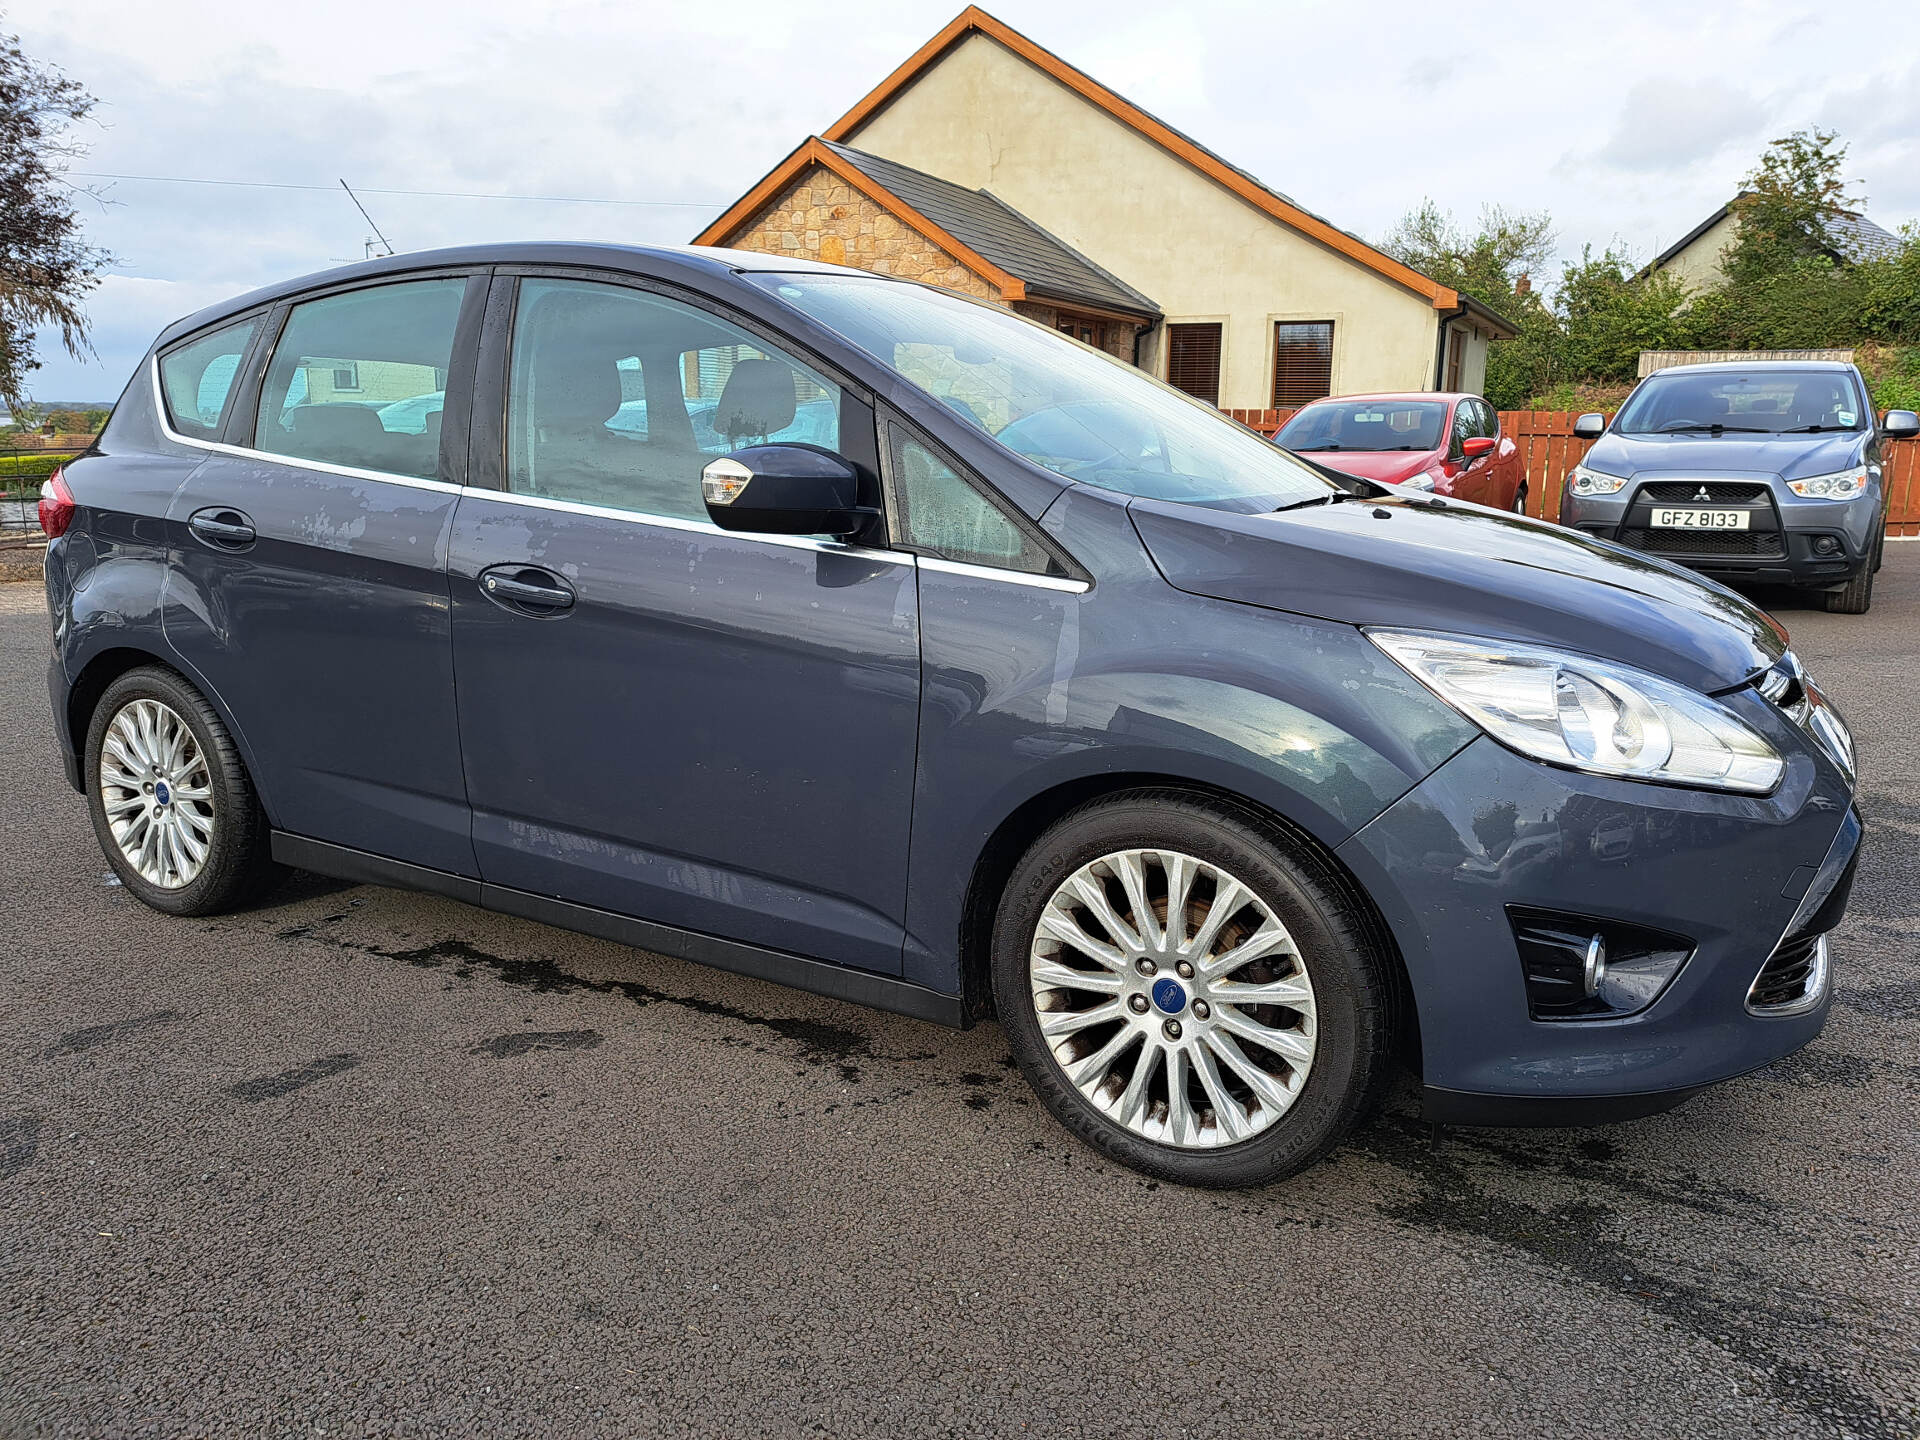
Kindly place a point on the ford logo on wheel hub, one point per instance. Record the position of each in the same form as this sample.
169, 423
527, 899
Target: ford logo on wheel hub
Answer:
1169, 996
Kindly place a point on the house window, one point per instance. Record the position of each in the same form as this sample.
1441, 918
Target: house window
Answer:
1193, 360
1302, 362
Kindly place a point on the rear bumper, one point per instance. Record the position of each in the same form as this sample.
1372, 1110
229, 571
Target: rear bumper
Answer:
1734, 875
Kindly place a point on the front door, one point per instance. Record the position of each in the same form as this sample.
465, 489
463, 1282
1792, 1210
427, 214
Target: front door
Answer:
309, 588
709, 731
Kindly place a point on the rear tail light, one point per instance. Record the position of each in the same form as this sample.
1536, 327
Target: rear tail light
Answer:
56, 505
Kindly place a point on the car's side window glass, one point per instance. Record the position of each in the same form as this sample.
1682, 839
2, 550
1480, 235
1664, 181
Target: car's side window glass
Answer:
1463, 426
1489, 420
359, 379
936, 509
198, 378
618, 398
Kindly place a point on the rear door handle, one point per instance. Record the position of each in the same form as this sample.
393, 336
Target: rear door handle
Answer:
222, 528
526, 589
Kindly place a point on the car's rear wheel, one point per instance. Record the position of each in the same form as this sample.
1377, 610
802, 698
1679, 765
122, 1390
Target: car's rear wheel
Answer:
1189, 991
1856, 596
171, 801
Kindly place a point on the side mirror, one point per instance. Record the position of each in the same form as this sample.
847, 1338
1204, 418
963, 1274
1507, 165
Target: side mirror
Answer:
789, 489
1477, 445
1590, 426
1900, 425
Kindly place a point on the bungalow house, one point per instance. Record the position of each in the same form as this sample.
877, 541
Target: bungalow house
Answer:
990, 165
1697, 258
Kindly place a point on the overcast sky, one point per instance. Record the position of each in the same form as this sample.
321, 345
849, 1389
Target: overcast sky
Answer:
1628, 123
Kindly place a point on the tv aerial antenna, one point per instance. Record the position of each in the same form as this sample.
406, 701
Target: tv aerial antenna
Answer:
376, 237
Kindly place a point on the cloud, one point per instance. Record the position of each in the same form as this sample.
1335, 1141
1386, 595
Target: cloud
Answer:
1670, 123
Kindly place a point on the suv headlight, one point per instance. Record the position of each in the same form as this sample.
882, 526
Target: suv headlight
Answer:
1841, 485
1594, 482
1588, 714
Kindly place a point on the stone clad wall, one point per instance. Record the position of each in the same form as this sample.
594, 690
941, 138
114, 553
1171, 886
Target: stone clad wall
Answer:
821, 217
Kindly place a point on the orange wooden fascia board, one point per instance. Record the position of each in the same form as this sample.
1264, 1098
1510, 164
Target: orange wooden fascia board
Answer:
815, 153
973, 18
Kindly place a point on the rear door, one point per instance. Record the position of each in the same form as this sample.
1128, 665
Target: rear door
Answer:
309, 587
706, 730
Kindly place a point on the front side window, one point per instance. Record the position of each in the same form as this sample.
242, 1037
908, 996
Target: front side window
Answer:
618, 397
1080, 413
358, 379
935, 509
1779, 402
198, 378
1366, 425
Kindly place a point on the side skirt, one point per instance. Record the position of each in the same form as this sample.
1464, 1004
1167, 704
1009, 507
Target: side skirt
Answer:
880, 992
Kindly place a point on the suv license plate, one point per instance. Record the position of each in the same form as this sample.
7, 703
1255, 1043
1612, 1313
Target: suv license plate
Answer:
1701, 519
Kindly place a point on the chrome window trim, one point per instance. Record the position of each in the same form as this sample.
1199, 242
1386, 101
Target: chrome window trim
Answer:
299, 462
694, 527
1064, 584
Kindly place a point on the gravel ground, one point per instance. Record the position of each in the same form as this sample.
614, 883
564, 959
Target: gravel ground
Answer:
368, 1163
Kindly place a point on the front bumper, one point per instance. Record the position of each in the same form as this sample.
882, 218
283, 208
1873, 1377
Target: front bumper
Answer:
1791, 541
1734, 875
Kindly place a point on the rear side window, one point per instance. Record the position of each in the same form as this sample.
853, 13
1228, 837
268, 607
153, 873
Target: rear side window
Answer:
197, 378
359, 379
936, 510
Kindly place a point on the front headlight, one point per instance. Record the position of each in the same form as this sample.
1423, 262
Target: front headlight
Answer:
1588, 714
1422, 481
1594, 482
1842, 485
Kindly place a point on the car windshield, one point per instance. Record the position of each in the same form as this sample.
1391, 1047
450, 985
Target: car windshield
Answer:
1775, 402
1366, 425
1072, 409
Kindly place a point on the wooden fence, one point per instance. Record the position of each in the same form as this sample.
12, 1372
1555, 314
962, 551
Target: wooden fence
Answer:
1546, 439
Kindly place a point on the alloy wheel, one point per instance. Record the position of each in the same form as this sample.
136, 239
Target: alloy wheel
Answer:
157, 792
1173, 998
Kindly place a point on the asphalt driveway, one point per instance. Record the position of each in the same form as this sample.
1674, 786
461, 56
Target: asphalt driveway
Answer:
369, 1163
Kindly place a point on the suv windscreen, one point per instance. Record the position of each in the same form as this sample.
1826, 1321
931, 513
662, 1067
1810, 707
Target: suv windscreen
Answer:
1777, 402
1072, 409
1366, 425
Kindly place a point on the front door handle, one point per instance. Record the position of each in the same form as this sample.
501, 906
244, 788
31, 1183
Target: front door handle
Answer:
526, 589
222, 528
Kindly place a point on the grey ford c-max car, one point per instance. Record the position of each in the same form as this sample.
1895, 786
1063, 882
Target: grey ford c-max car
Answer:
1765, 471
948, 666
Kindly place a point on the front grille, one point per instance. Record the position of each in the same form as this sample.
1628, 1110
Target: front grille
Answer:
1793, 978
1761, 543
1719, 492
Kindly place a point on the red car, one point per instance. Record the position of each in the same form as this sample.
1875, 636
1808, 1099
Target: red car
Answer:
1449, 444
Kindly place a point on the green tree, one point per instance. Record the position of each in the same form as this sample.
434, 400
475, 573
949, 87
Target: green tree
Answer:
1786, 205
1608, 314
46, 266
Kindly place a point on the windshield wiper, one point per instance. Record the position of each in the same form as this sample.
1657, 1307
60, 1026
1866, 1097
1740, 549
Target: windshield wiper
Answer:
1716, 427
1810, 429
1314, 449
1333, 497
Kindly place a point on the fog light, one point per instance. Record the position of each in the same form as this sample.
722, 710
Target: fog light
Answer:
1579, 968
1826, 545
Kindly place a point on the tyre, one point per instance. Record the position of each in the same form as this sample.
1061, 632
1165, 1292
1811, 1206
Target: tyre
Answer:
1520, 499
1189, 991
171, 801
1880, 547
1856, 596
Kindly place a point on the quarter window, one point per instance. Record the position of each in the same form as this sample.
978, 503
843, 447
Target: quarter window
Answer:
360, 379
198, 378
936, 510
619, 398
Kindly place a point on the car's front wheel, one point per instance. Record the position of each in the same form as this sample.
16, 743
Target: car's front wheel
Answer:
1190, 991
172, 804
1856, 596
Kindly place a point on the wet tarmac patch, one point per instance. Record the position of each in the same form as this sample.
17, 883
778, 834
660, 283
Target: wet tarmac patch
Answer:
19, 1144
525, 1042
76, 1041
270, 1087
1794, 1344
